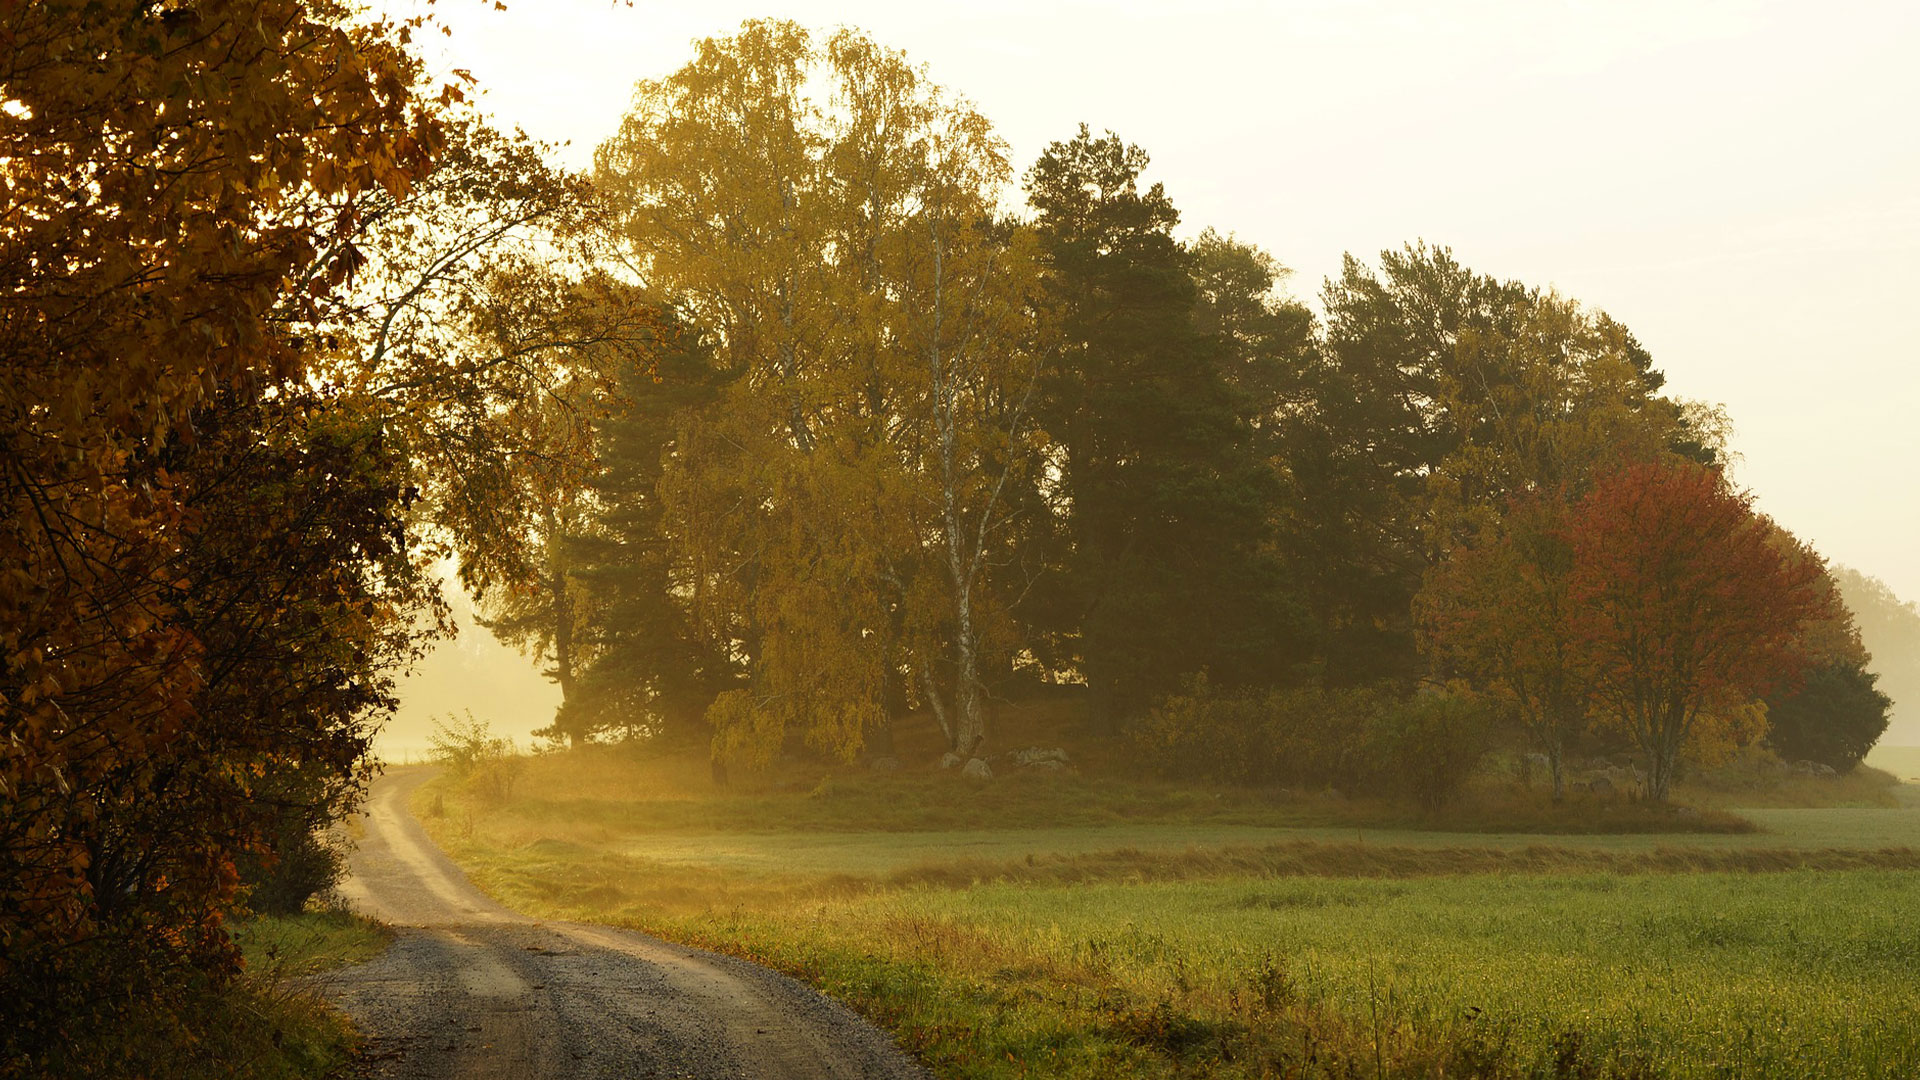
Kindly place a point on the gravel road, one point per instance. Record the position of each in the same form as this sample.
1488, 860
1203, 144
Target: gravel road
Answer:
471, 989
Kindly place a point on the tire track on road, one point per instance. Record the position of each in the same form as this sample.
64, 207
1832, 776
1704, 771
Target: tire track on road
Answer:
472, 989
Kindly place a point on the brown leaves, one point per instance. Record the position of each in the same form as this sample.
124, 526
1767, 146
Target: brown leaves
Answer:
168, 170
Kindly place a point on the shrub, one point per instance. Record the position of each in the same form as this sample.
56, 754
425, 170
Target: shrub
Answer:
1429, 745
1302, 737
304, 864
1322, 738
1834, 718
1203, 733
486, 764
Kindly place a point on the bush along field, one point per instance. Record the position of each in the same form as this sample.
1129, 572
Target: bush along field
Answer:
1084, 922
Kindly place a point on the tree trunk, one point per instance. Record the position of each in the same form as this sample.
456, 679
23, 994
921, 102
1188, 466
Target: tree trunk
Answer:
1560, 719
969, 721
963, 558
564, 722
937, 705
1663, 750
1659, 777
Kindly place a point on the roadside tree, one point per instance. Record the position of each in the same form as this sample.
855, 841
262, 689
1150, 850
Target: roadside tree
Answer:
180, 193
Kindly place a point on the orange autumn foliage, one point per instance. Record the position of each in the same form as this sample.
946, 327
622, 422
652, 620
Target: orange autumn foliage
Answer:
178, 187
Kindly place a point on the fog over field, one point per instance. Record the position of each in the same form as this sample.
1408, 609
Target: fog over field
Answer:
472, 672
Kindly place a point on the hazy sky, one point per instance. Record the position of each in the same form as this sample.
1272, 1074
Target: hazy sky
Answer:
1738, 182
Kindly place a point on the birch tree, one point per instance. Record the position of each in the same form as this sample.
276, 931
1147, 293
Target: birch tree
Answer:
961, 296
826, 215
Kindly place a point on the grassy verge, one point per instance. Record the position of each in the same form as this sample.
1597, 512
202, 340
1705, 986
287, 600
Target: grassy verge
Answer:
270, 1026
267, 1024
279, 947
1147, 930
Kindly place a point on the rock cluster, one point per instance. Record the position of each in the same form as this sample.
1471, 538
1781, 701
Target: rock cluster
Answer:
1033, 759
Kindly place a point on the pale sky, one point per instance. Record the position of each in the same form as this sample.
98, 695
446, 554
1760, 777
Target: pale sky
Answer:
1738, 182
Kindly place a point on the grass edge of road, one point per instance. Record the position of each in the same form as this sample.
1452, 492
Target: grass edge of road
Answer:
283, 1028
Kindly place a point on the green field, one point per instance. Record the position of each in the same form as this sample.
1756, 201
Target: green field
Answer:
1152, 931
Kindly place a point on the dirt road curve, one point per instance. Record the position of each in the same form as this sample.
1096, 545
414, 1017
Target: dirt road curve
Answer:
470, 989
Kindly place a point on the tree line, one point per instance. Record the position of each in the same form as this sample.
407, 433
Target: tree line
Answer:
925, 435
805, 411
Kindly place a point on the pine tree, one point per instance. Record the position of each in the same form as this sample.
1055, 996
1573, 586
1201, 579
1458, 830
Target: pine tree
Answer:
1165, 500
648, 672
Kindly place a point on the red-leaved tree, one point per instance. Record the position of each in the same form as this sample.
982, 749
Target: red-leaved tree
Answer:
1683, 610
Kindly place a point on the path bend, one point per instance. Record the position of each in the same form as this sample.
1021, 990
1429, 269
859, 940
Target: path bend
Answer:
470, 989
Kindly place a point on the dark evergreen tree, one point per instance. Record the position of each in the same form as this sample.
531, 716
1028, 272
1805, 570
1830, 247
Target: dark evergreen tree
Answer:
1372, 432
1165, 500
1265, 339
646, 674
1833, 718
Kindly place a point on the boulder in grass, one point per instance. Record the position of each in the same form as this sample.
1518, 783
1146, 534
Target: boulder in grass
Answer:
977, 769
950, 760
1034, 755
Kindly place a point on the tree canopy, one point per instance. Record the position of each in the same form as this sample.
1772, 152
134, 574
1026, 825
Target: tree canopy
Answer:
1684, 609
204, 583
